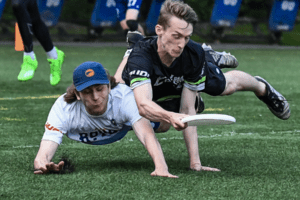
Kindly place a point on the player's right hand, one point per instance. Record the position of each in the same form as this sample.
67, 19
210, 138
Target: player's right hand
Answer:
50, 167
177, 123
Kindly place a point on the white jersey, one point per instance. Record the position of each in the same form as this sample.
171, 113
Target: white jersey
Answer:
77, 124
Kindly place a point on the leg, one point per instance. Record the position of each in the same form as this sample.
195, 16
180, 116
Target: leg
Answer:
221, 59
24, 21
55, 56
39, 28
30, 63
241, 81
132, 38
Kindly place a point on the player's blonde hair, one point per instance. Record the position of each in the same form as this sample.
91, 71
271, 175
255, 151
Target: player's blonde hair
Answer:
178, 9
70, 96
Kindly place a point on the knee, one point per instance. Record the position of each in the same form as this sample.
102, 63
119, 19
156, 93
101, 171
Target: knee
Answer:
231, 84
164, 127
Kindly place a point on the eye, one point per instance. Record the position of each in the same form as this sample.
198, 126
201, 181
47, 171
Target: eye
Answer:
86, 91
176, 36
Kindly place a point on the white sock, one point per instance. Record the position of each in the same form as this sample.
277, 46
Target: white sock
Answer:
31, 54
52, 54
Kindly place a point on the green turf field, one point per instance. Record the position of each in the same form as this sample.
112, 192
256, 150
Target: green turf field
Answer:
259, 155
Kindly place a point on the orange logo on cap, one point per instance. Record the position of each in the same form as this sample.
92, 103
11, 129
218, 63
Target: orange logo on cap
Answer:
89, 73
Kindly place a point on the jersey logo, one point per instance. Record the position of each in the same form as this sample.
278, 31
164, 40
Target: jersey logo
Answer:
89, 73
139, 73
51, 128
176, 80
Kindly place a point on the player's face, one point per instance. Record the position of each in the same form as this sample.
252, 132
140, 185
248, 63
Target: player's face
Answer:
95, 99
174, 38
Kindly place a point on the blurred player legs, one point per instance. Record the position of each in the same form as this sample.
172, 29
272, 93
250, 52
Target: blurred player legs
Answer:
30, 22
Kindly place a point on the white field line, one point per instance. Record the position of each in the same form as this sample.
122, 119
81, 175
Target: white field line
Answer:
30, 97
231, 134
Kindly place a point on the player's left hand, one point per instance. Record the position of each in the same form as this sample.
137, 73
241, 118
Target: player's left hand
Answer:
50, 167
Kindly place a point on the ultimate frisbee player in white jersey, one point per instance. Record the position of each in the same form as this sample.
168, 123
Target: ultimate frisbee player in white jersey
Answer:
96, 110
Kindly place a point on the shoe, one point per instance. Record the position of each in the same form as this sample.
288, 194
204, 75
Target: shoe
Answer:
200, 103
222, 59
55, 67
277, 104
133, 37
27, 68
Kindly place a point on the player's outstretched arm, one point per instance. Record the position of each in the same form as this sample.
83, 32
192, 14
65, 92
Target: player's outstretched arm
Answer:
190, 133
146, 135
42, 162
152, 111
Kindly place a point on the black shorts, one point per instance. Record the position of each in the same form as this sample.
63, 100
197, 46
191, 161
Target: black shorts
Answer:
173, 105
215, 80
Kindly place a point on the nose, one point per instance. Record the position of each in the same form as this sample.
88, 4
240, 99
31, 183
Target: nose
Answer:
95, 95
181, 43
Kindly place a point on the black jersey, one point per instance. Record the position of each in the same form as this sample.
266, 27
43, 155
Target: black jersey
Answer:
144, 65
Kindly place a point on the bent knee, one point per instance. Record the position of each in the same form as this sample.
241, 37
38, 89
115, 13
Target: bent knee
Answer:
164, 127
231, 84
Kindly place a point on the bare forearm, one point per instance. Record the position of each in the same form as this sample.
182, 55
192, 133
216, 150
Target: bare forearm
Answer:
191, 140
154, 149
154, 112
45, 153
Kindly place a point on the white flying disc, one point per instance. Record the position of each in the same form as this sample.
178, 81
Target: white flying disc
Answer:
208, 119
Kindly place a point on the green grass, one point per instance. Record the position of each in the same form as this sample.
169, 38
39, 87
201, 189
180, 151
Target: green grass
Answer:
259, 155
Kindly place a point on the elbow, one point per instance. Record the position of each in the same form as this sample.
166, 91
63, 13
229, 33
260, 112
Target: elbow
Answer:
142, 110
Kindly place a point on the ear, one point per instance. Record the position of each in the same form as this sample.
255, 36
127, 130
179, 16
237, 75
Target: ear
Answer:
77, 95
159, 30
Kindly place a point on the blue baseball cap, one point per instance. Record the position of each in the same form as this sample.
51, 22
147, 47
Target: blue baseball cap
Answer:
89, 73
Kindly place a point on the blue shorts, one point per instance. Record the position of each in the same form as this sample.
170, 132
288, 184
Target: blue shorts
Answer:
123, 5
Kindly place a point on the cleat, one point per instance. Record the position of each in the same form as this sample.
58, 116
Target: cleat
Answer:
277, 104
222, 59
200, 103
133, 37
55, 67
27, 68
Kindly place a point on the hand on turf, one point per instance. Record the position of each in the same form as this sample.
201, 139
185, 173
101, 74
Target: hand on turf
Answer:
163, 174
50, 167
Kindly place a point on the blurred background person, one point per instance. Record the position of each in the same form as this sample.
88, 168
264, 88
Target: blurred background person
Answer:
128, 11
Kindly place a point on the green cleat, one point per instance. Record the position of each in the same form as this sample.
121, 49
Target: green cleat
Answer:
55, 67
27, 68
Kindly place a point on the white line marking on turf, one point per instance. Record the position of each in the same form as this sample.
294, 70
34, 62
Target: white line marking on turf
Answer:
231, 134
30, 97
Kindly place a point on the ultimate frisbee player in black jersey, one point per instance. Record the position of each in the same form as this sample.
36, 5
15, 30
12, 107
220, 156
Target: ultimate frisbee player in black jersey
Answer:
166, 73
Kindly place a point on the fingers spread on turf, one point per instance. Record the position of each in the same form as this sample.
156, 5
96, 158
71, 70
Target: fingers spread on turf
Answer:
210, 169
61, 165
